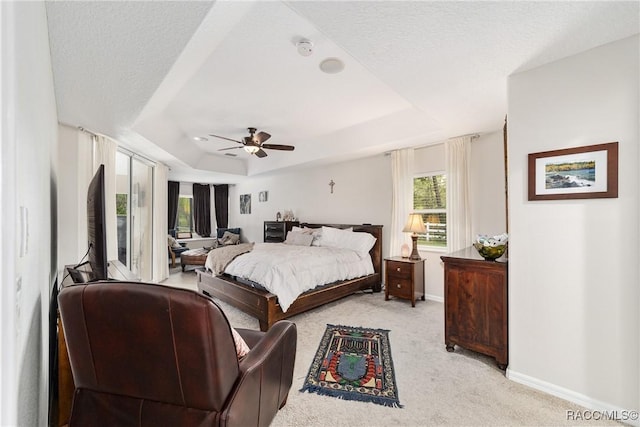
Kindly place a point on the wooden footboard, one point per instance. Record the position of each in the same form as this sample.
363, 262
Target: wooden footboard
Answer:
264, 305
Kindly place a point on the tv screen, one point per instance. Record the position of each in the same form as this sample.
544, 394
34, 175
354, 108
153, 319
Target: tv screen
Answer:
96, 227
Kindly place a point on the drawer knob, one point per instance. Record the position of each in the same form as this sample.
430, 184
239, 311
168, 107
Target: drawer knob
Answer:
398, 269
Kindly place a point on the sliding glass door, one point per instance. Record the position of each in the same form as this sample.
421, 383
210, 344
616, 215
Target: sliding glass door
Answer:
134, 198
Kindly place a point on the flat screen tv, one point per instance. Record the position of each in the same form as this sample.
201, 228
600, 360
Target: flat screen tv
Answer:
96, 227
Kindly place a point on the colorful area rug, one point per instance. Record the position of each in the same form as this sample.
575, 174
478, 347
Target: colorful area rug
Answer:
354, 364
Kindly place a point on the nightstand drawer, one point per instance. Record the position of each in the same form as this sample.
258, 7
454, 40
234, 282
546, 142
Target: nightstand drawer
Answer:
399, 270
401, 288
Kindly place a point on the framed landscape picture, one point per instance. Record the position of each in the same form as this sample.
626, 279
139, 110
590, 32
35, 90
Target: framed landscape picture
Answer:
574, 173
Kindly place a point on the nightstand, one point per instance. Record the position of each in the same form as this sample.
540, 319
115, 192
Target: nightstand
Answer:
404, 278
276, 231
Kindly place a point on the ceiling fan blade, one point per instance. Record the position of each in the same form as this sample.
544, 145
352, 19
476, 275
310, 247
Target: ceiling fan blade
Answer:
262, 136
261, 153
224, 137
279, 147
228, 148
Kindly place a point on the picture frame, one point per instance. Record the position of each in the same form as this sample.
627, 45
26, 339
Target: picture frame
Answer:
587, 172
245, 203
263, 196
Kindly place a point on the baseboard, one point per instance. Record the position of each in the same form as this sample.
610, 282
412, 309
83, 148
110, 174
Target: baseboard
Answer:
597, 410
435, 298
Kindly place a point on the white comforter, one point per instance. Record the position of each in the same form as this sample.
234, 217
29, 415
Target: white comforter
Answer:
287, 271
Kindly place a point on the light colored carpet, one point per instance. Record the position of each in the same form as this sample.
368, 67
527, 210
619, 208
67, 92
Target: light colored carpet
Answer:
435, 387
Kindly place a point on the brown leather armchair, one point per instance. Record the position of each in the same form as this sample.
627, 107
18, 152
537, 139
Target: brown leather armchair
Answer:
151, 355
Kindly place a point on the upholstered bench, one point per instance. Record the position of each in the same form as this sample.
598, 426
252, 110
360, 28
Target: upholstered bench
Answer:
194, 257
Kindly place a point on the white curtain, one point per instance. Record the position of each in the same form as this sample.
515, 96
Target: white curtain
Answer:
85, 171
458, 209
402, 203
104, 152
160, 200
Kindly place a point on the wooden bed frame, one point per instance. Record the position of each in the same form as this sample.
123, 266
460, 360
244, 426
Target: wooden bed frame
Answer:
264, 305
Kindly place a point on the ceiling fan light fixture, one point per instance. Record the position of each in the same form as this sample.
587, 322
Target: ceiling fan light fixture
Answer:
251, 149
200, 138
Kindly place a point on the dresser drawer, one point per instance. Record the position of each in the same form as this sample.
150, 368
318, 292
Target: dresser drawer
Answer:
399, 270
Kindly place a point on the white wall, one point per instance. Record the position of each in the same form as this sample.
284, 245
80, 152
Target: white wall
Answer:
487, 186
28, 187
362, 194
573, 264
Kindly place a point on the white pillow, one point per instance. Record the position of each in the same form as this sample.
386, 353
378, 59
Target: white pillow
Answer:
347, 239
299, 239
330, 235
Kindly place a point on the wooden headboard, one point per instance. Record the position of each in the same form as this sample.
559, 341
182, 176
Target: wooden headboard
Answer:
374, 230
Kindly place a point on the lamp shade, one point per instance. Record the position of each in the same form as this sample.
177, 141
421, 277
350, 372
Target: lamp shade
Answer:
251, 149
415, 224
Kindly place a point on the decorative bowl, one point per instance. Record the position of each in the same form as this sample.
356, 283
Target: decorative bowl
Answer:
490, 253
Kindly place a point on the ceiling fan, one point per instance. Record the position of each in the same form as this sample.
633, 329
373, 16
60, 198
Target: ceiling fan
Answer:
254, 143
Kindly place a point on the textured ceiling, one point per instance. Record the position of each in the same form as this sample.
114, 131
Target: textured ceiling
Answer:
155, 74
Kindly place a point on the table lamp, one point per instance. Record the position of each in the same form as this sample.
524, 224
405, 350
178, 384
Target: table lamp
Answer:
414, 225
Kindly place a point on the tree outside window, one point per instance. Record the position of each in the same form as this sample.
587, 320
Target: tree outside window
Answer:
184, 222
430, 200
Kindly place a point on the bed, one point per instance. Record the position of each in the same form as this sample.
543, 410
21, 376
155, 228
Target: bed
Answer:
264, 305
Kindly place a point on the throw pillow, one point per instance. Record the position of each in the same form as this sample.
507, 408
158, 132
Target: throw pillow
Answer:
229, 238
315, 232
241, 346
298, 239
173, 242
220, 232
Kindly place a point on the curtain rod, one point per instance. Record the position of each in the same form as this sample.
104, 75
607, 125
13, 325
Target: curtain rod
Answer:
471, 135
121, 148
80, 128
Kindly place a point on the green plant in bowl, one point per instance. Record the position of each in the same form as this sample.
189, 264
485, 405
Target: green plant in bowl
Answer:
490, 253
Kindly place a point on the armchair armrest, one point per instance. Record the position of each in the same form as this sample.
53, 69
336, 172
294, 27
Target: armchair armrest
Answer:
266, 375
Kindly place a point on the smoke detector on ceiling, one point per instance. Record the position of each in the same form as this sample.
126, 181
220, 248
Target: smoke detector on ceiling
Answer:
305, 47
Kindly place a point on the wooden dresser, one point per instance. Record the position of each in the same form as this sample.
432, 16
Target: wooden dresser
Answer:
276, 231
476, 304
404, 278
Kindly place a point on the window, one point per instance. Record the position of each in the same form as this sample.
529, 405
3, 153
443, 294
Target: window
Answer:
430, 200
184, 223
